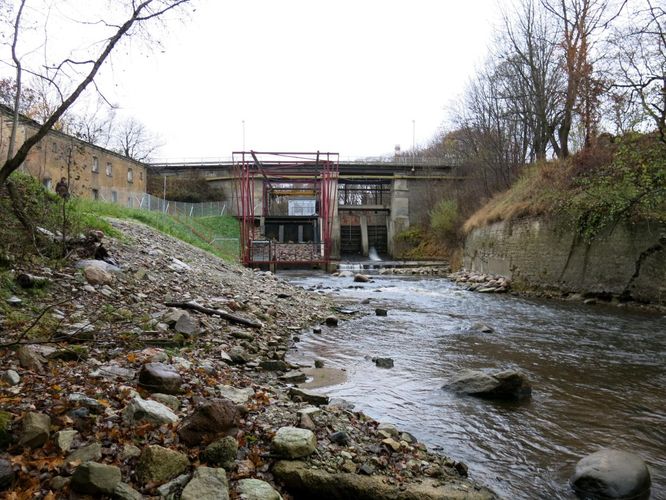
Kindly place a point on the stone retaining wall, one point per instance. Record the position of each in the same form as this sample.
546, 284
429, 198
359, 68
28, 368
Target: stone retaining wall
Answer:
628, 262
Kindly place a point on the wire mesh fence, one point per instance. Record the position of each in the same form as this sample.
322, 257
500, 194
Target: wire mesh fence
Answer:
145, 201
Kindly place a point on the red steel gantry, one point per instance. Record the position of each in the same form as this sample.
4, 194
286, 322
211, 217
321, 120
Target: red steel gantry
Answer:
284, 174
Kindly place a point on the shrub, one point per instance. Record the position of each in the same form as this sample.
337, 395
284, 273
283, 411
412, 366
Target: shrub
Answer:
445, 221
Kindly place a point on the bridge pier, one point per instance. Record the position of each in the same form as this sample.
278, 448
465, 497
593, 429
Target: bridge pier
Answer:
399, 215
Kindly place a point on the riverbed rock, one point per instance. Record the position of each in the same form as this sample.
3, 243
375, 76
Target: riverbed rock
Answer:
140, 409
294, 377
380, 311
64, 439
293, 442
88, 453
207, 483
308, 396
383, 362
361, 278
210, 419
36, 429
11, 377
187, 325
256, 489
158, 377
331, 321
221, 452
507, 384
97, 276
95, 479
238, 396
7, 474
124, 491
158, 464
30, 359
304, 482
610, 473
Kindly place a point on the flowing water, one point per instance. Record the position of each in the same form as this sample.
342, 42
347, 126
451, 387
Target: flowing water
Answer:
598, 375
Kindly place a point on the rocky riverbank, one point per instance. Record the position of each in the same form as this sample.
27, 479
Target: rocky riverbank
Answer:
164, 376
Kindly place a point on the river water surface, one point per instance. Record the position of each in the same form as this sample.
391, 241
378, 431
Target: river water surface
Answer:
598, 376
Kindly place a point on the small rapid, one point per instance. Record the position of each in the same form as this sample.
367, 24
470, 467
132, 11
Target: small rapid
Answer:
598, 373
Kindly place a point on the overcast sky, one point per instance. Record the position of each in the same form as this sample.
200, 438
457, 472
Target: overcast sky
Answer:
343, 76
347, 76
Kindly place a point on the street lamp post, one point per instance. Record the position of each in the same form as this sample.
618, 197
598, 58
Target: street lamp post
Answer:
413, 143
243, 135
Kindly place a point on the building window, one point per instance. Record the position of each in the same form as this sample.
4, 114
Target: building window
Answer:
95, 194
109, 169
95, 164
114, 197
130, 175
47, 183
140, 175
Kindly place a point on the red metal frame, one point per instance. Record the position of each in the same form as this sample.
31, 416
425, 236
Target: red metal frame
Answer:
319, 169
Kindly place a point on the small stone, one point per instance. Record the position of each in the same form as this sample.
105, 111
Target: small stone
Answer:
238, 396
274, 365
306, 422
64, 439
95, 479
319, 363
308, 396
340, 437
11, 377
129, 451
331, 321
158, 464
361, 278
7, 474
207, 483
58, 482
36, 429
390, 429
187, 325
316, 329
170, 489
256, 489
209, 420
124, 491
221, 452
158, 377
292, 442
172, 402
14, 301
238, 355
91, 452
381, 312
140, 409
113, 372
30, 359
97, 276
383, 362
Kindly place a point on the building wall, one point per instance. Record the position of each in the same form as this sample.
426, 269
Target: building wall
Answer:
628, 261
89, 169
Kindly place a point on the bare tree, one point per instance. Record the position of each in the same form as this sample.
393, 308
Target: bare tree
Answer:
579, 22
138, 14
133, 140
641, 57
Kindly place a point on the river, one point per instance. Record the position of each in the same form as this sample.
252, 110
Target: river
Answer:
598, 376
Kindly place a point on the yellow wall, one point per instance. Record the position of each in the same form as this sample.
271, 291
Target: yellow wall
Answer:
59, 155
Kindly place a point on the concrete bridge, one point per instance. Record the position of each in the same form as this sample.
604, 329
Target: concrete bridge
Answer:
316, 208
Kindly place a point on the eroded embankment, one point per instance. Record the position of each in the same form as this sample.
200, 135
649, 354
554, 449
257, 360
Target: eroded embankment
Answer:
136, 398
626, 262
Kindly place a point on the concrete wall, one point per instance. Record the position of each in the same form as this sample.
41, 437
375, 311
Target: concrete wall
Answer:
60, 155
628, 261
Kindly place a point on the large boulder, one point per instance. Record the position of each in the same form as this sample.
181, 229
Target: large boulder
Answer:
293, 442
507, 384
158, 464
611, 473
95, 479
158, 377
304, 482
209, 420
207, 483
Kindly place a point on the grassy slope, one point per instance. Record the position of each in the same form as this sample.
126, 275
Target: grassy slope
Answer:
215, 234
625, 180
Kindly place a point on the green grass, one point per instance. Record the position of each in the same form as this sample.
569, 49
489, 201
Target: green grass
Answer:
216, 234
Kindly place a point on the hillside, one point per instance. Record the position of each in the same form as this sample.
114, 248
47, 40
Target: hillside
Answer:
622, 180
